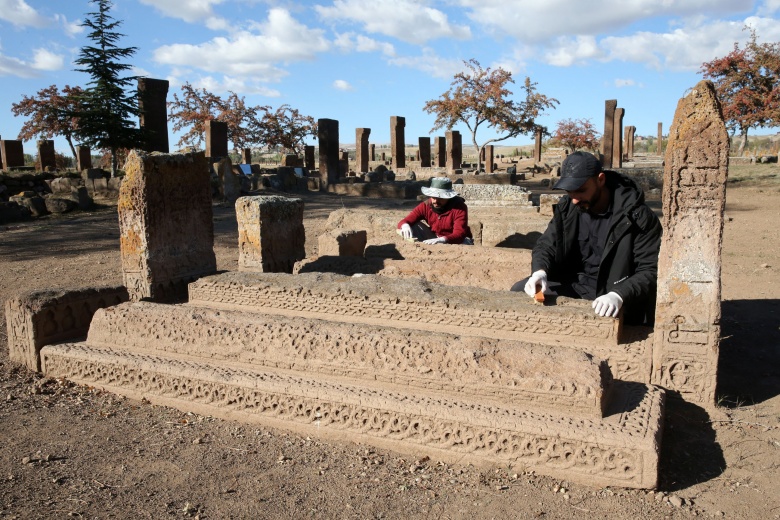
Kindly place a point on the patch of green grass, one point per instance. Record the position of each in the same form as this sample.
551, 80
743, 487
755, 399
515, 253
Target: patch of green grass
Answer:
762, 175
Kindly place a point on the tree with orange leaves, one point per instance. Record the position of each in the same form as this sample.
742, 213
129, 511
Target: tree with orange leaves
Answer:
480, 96
287, 128
579, 134
747, 81
50, 113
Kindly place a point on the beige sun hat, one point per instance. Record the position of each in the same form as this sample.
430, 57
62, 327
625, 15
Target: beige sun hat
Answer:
441, 188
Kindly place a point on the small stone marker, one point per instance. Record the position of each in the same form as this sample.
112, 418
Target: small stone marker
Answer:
687, 319
342, 242
271, 236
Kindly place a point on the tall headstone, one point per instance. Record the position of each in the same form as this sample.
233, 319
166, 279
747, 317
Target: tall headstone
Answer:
538, 145
12, 152
441, 152
660, 144
308, 157
489, 158
216, 139
328, 135
46, 155
454, 151
398, 141
84, 157
165, 224
630, 139
687, 318
617, 138
424, 149
607, 139
372, 152
271, 236
246, 156
361, 147
153, 119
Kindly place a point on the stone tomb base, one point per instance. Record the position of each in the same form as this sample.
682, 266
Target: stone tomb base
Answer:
394, 379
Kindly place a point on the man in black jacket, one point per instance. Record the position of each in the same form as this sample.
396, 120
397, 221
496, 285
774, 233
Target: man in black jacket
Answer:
601, 244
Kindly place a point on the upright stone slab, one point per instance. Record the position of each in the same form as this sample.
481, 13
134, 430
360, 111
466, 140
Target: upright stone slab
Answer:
617, 138
165, 223
153, 119
246, 156
398, 141
630, 137
13, 153
660, 144
372, 152
454, 151
216, 139
607, 138
687, 318
308, 157
328, 135
538, 145
361, 148
84, 157
489, 158
229, 183
46, 155
441, 152
271, 236
424, 150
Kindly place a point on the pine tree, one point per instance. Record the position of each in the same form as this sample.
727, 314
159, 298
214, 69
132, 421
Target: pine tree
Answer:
106, 108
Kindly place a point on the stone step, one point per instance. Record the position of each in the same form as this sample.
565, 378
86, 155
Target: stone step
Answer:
619, 450
481, 370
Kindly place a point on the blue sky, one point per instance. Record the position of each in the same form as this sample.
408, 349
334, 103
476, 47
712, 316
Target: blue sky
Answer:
361, 62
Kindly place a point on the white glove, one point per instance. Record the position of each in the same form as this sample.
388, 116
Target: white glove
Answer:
406, 230
437, 240
608, 304
538, 278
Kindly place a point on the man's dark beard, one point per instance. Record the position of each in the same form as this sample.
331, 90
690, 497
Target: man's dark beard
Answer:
441, 209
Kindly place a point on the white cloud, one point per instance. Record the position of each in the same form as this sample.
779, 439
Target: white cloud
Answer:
532, 21
190, 11
408, 20
233, 84
357, 42
46, 60
570, 51
430, 63
250, 53
768, 7
138, 71
15, 67
19, 13
71, 28
340, 84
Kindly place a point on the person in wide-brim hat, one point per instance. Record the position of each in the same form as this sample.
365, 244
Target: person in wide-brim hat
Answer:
442, 219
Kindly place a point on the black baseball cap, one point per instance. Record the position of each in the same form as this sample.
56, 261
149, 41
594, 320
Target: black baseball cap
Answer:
576, 169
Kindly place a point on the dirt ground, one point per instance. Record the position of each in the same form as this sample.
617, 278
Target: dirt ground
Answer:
69, 451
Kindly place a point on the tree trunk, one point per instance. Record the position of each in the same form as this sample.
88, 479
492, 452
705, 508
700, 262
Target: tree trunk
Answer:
743, 141
478, 149
113, 162
72, 149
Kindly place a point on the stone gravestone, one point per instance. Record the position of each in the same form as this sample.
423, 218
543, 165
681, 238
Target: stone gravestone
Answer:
361, 147
607, 138
165, 223
617, 138
372, 152
216, 139
425, 151
398, 141
46, 155
308, 157
328, 135
454, 151
441, 152
271, 236
489, 158
537, 145
13, 153
246, 156
659, 146
153, 118
687, 318
229, 182
84, 155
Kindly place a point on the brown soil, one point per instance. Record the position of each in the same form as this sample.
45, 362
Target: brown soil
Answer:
71, 451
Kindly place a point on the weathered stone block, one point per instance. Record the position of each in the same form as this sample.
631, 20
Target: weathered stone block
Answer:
12, 153
165, 222
687, 319
271, 235
229, 182
341, 242
39, 318
59, 205
493, 195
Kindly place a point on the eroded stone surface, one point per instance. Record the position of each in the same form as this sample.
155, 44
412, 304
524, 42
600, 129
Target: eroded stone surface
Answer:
687, 322
494, 195
342, 242
271, 236
165, 224
42, 317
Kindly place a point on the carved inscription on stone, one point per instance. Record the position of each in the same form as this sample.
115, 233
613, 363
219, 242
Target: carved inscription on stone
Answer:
165, 222
687, 323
